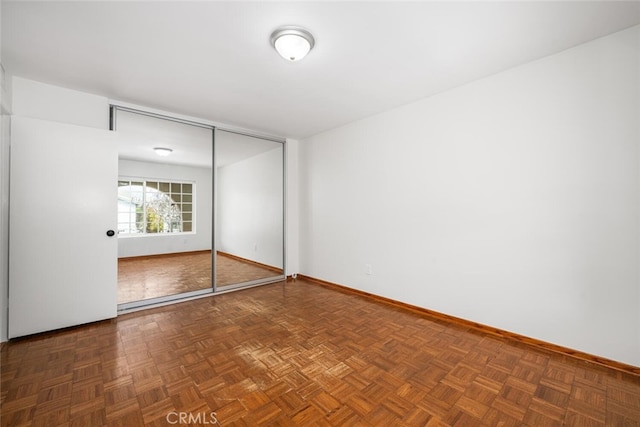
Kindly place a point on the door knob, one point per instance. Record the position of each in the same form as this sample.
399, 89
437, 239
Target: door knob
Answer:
110, 233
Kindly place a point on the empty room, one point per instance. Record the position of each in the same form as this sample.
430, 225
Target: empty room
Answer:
381, 213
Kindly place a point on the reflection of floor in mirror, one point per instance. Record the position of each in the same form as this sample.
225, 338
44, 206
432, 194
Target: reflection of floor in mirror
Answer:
146, 277
231, 269
141, 278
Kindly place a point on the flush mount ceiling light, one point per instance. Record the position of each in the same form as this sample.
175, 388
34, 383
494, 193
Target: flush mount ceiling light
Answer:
292, 43
164, 152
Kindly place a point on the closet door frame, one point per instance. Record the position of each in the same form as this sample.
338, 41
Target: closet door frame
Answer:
214, 289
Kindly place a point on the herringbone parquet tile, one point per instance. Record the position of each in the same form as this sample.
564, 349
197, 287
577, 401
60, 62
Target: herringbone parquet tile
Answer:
300, 354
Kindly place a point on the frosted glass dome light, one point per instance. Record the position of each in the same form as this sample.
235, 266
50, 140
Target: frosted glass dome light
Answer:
292, 43
163, 152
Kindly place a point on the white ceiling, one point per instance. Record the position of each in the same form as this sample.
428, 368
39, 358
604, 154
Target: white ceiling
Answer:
213, 60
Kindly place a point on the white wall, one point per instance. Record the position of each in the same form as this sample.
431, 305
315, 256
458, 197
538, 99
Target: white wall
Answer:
250, 215
57, 104
167, 243
513, 201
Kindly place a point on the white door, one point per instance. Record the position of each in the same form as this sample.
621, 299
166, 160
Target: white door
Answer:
62, 264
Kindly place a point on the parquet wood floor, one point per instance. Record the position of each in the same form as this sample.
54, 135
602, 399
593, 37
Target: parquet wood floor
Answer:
141, 278
297, 353
231, 270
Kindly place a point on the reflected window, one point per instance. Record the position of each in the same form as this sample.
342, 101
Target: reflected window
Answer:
154, 207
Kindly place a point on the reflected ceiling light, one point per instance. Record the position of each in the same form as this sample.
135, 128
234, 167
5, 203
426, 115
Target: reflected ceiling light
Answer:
164, 152
292, 43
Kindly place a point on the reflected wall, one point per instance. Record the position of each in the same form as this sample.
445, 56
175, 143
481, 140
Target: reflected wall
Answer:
249, 226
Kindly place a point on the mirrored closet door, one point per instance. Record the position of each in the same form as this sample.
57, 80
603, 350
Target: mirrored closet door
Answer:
200, 209
165, 207
249, 210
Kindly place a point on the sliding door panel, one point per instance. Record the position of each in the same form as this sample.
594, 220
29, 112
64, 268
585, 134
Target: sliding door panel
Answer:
165, 203
249, 210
